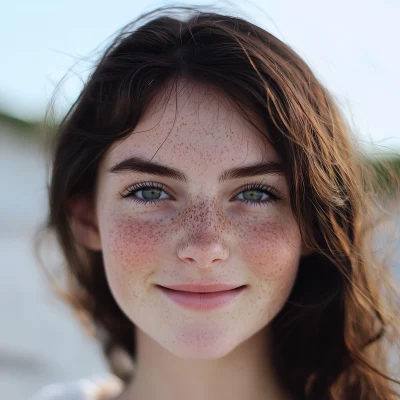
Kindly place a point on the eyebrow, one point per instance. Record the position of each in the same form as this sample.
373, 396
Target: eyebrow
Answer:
138, 164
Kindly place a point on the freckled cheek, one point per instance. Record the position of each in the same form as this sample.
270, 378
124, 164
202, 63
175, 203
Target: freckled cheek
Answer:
133, 246
271, 249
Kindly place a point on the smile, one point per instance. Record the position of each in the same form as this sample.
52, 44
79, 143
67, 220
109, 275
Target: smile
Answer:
202, 301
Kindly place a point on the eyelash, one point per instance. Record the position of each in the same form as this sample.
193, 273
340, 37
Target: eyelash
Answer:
251, 186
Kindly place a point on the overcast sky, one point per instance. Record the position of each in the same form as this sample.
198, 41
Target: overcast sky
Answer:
352, 46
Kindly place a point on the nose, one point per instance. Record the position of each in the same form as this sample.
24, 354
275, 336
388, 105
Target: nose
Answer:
204, 246
203, 253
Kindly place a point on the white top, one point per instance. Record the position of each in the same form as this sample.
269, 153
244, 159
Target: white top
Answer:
95, 387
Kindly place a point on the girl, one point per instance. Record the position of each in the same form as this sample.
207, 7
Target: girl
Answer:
211, 206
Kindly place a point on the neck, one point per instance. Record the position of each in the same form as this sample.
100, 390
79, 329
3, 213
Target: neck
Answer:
245, 373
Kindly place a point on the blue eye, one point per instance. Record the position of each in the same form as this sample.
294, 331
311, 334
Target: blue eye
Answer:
146, 187
149, 189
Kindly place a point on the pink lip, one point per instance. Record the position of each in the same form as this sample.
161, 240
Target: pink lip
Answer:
208, 297
215, 287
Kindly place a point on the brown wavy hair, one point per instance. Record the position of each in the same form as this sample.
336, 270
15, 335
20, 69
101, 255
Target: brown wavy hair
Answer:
333, 337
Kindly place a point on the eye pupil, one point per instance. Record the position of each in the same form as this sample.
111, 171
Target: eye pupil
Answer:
152, 192
254, 195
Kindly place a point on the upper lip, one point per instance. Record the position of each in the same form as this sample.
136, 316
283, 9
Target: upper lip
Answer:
215, 287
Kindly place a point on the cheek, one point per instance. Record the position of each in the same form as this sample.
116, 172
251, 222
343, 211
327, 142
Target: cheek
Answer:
134, 242
272, 249
132, 250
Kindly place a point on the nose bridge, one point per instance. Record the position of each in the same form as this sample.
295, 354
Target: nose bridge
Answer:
203, 216
203, 242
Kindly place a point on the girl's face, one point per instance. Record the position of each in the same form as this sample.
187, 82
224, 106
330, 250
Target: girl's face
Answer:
204, 230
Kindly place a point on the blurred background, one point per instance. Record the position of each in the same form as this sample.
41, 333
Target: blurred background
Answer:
349, 45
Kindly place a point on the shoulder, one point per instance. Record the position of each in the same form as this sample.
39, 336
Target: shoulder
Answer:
95, 387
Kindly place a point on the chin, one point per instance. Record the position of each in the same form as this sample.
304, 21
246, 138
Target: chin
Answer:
200, 344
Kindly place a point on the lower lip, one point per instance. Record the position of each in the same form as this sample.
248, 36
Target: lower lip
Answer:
202, 301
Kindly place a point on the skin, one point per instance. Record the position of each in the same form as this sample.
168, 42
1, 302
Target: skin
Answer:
198, 233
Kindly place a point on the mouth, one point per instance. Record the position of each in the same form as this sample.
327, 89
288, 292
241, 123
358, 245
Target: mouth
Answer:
206, 288
204, 300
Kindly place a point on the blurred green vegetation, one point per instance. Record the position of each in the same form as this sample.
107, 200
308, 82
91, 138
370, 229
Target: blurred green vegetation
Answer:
25, 130
385, 168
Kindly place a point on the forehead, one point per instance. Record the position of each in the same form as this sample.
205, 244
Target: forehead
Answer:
194, 125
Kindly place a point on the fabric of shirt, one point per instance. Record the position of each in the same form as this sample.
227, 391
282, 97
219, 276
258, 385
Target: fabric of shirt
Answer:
94, 387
